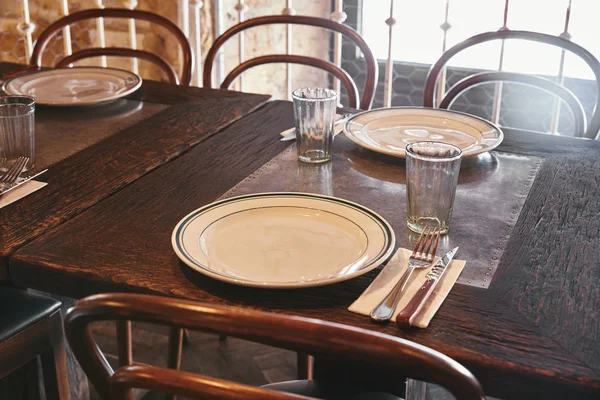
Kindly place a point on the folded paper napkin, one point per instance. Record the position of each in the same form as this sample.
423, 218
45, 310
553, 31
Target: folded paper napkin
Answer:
20, 192
385, 281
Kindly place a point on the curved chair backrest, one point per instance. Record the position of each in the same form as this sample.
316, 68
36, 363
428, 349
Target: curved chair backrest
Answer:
318, 338
579, 119
431, 83
188, 59
371, 73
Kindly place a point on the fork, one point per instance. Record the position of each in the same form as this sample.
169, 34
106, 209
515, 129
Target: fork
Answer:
13, 172
422, 256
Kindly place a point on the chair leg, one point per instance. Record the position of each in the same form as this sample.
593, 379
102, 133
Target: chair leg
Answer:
54, 362
175, 351
305, 366
186, 337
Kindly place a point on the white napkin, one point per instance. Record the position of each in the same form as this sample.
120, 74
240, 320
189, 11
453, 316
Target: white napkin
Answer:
20, 192
385, 281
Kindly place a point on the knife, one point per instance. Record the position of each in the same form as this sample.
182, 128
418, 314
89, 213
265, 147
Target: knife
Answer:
338, 127
414, 306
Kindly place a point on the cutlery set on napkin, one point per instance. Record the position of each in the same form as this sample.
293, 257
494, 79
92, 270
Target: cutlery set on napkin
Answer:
421, 296
14, 187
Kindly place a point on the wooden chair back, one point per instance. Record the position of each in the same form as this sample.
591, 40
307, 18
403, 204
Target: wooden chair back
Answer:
318, 338
371, 64
122, 13
574, 105
431, 83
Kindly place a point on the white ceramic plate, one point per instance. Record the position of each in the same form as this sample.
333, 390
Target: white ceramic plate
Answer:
283, 240
389, 130
74, 86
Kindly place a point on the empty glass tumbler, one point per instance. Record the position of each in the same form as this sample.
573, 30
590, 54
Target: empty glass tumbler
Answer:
431, 176
16, 130
314, 111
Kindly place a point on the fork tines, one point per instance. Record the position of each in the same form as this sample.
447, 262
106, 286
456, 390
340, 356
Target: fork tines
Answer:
423, 248
14, 171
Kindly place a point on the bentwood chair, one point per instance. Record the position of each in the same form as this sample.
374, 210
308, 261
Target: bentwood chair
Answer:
30, 327
319, 338
371, 65
187, 60
592, 130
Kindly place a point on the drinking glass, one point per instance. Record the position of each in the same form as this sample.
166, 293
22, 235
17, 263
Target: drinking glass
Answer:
431, 176
16, 130
314, 111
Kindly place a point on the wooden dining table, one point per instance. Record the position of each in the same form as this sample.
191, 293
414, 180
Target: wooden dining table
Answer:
104, 224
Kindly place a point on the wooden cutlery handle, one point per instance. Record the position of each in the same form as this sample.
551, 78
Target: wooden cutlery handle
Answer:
408, 314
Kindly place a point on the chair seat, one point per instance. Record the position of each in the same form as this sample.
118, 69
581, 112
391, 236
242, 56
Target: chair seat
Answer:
20, 309
327, 391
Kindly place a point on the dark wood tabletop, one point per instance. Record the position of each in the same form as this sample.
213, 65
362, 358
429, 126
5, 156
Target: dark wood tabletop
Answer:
94, 151
533, 333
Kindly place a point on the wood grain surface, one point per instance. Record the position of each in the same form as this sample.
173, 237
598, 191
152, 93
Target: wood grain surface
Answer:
99, 169
533, 333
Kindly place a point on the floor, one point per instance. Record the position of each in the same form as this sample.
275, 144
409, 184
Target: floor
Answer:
232, 359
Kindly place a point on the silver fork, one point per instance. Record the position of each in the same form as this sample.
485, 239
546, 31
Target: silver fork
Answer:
422, 256
13, 172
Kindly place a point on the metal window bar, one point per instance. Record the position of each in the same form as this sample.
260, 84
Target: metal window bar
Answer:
561, 72
445, 27
218, 30
288, 10
241, 9
66, 30
195, 6
26, 28
338, 15
132, 4
389, 65
498, 89
101, 39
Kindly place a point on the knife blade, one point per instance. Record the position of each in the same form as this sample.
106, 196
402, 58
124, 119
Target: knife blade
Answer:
338, 127
414, 306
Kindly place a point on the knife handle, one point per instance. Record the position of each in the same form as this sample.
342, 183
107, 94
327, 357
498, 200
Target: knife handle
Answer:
408, 314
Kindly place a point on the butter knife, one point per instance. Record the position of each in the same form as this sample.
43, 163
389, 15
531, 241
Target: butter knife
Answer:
8, 188
338, 127
414, 306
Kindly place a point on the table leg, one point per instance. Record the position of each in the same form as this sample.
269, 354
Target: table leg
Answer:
305, 366
416, 390
78, 382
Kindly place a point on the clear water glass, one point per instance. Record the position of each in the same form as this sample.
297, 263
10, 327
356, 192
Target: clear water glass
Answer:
431, 177
314, 111
16, 130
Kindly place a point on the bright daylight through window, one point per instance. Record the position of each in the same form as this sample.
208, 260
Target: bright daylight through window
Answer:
418, 36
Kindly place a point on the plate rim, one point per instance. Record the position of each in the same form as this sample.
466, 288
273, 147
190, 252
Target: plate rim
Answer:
402, 154
384, 256
127, 92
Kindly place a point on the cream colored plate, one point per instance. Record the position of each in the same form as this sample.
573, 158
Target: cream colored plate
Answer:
283, 240
74, 86
389, 130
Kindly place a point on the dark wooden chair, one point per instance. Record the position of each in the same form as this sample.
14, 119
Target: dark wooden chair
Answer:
592, 130
319, 338
30, 327
371, 65
188, 59
481, 78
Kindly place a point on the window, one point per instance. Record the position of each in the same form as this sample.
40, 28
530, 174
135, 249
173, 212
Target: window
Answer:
418, 36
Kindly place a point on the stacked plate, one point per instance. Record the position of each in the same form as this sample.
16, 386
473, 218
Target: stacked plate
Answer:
74, 86
389, 130
283, 240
